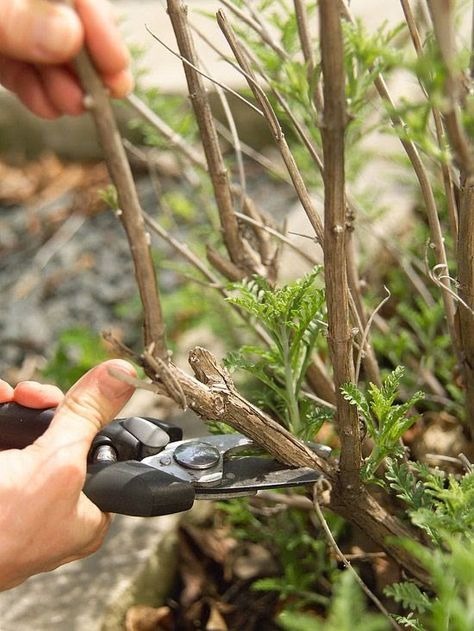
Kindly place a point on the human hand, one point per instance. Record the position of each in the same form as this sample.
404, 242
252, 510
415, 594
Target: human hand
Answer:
45, 519
38, 41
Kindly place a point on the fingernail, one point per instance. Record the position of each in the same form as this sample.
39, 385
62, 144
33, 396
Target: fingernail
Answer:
129, 82
121, 85
112, 386
57, 34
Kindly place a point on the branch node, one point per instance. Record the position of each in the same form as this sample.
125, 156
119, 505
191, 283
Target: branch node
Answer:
158, 370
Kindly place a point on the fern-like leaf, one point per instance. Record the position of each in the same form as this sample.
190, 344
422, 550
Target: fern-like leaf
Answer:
409, 595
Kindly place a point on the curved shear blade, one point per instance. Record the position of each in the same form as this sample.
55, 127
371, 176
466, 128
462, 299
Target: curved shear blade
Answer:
248, 475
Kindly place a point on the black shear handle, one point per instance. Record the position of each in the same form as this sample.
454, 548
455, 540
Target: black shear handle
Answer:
21, 426
134, 488
127, 488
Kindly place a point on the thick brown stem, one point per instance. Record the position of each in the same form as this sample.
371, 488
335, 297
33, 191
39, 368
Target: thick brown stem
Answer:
335, 256
363, 510
420, 171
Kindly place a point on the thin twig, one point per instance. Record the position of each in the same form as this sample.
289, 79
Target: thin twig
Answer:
213, 281
255, 26
365, 333
426, 191
266, 251
235, 143
29, 280
195, 157
407, 263
302, 23
466, 462
243, 260
239, 51
438, 276
207, 76
281, 237
259, 158
459, 462
304, 134
197, 160
342, 557
440, 135
292, 501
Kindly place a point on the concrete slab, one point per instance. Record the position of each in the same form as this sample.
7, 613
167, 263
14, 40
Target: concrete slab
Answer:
81, 595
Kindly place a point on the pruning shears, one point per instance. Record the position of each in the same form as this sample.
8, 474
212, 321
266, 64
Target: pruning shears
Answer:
142, 466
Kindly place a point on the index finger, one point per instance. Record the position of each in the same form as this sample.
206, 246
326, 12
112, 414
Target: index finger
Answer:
88, 406
109, 53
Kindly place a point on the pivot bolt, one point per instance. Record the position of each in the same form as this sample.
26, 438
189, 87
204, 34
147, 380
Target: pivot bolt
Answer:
197, 455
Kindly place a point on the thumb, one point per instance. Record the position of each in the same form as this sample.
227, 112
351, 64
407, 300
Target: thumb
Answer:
39, 31
87, 407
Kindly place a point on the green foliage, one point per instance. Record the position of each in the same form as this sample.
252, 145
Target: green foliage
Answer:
347, 612
294, 317
440, 504
409, 595
77, 350
295, 544
110, 197
452, 506
443, 506
367, 55
386, 422
407, 486
450, 606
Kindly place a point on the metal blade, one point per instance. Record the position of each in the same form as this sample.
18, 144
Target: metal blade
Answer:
247, 475
220, 466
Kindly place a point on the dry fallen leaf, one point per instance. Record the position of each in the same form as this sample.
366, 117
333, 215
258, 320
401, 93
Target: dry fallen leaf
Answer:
48, 179
146, 618
215, 621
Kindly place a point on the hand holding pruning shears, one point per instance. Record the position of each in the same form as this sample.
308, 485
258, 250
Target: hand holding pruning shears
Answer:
45, 519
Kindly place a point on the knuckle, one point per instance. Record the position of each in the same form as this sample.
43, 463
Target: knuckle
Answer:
86, 407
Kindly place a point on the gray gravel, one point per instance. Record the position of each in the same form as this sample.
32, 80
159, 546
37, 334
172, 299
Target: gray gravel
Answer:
52, 280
